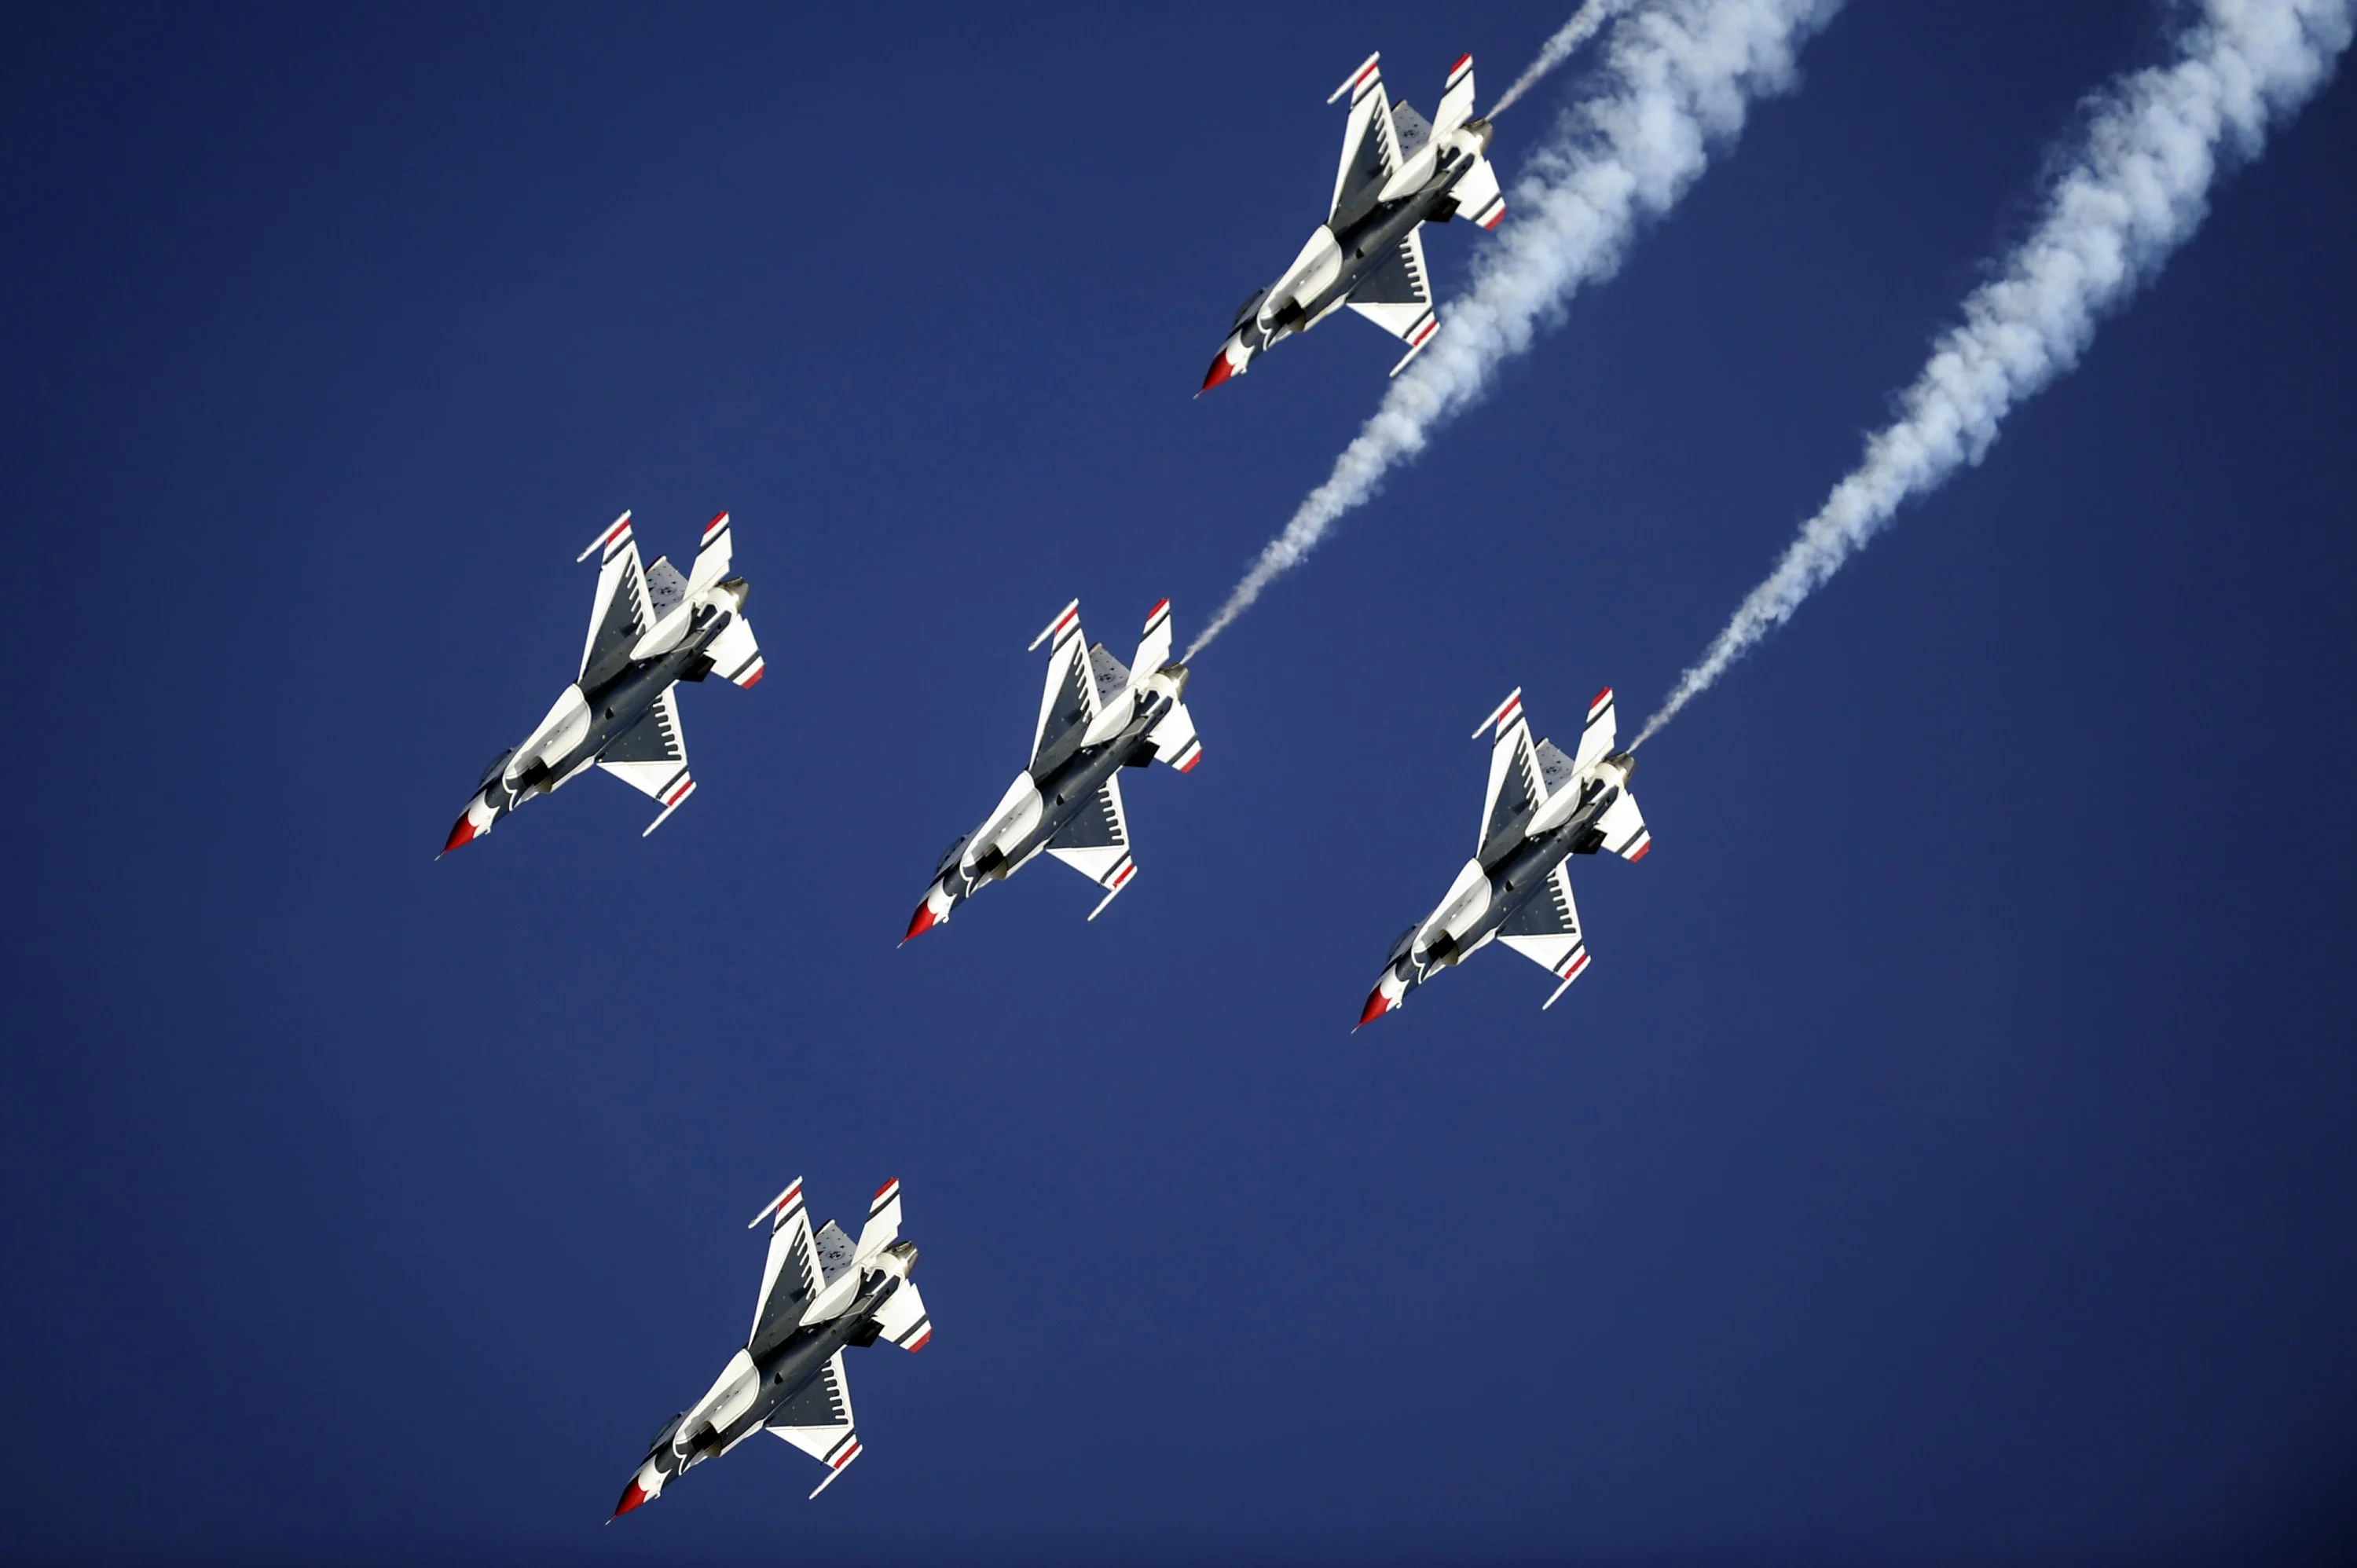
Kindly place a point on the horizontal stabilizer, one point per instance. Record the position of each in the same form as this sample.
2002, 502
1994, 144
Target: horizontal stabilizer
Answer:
1477, 197
1174, 739
1623, 827
902, 1318
736, 654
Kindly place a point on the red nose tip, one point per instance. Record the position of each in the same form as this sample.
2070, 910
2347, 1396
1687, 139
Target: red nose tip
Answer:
1220, 371
1376, 1007
922, 922
630, 1498
463, 834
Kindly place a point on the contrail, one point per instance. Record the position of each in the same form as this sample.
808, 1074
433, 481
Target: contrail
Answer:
1583, 25
2133, 186
1677, 77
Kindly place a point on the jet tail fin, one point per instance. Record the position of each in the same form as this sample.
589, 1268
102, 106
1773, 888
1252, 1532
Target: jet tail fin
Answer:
1596, 740
1456, 104
1154, 647
711, 556
883, 1227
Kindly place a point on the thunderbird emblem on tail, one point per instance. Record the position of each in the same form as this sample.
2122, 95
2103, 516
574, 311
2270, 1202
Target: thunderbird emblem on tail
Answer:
819, 1293
1399, 172
1543, 808
1096, 716
649, 628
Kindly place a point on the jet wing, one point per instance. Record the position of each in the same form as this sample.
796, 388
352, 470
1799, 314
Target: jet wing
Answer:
651, 757
1516, 789
1546, 931
1095, 843
791, 1278
818, 1420
622, 610
1068, 703
1397, 297
1371, 148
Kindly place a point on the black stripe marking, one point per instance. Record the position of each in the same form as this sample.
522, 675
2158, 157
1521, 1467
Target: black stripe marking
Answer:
848, 1434
921, 1325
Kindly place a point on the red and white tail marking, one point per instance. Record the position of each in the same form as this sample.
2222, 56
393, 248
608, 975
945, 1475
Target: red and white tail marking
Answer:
1190, 755
613, 539
1358, 80
1069, 617
1505, 713
672, 802
1464, 64
835, 1467
1573, 967
1114, 884
777, 1209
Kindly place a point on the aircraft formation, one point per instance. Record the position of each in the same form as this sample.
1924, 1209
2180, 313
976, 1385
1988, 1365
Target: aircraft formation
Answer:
652, 627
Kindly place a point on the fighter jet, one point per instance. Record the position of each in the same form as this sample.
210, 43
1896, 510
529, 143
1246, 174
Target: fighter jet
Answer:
649, 628
1096, 717
1399, 172
1543, 808
819, 1293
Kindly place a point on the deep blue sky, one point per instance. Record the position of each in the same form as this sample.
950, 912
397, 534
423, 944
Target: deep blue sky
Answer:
1947, 1158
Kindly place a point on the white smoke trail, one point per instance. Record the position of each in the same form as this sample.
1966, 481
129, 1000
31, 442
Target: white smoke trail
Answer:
2135, 186
1583, 25
1677, 78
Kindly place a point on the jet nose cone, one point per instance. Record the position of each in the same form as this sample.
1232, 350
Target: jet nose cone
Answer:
1220, 371
922, 922
631, 1499
462, 833
1376, 1007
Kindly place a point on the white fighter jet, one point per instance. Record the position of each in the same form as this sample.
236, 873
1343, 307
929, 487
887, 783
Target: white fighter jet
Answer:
819, 1293
649, 628
1543, 808
1097, 715
1399, 172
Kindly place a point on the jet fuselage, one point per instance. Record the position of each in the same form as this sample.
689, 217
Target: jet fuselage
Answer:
783, 1372
1364, 239
613, 695
1514, 878
1067, 786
